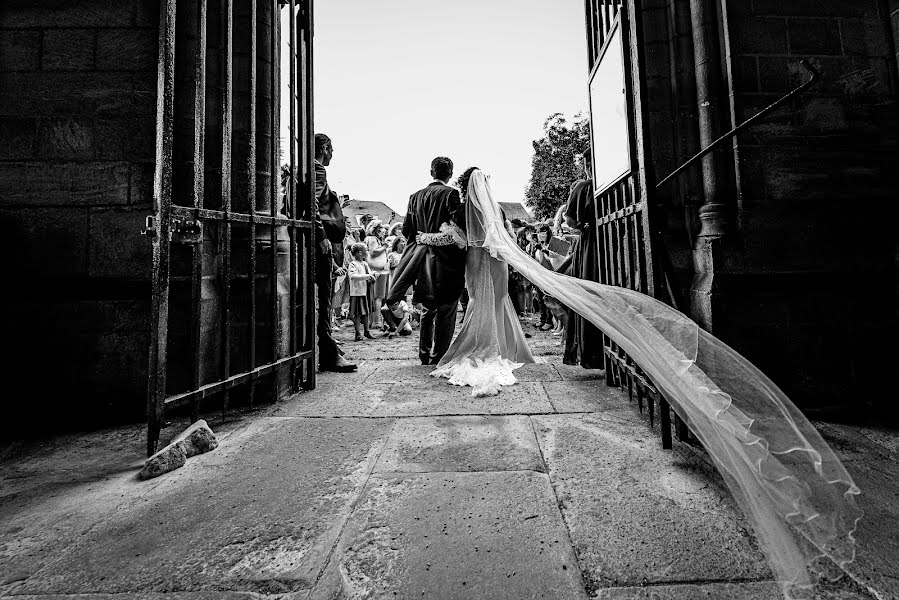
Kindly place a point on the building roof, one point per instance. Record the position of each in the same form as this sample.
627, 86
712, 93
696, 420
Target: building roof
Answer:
515, 210
378, 210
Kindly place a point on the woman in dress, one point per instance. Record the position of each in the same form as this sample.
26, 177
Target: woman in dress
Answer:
583, 343
375, 240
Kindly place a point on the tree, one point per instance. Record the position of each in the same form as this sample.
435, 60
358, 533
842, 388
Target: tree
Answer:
553, 168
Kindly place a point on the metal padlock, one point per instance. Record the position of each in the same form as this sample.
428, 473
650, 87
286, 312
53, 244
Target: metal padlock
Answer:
150, 229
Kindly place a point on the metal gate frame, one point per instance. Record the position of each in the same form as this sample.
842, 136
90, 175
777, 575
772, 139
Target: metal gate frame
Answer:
172, 223
625, 234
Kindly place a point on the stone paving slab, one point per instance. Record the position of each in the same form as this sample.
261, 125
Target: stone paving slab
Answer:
357, 399
763, 590
260, 519
406, 369
639, 515
217, 595
454, 536
877, 537
540, 372
461, 444
54, 491
433, 397
585, 395
400, 371
575, 373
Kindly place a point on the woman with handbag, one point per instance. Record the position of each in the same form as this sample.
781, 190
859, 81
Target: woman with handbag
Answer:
377, 262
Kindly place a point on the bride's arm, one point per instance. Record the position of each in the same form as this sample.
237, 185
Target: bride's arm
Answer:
449, 234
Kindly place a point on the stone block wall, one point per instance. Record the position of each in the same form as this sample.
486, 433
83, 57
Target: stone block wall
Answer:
77, 120
805, 281
809, 291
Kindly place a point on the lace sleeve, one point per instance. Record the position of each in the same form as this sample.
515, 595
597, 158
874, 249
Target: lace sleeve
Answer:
435, 239
449, 234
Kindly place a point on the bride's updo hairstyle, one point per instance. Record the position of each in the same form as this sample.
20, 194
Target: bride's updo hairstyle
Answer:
462, 182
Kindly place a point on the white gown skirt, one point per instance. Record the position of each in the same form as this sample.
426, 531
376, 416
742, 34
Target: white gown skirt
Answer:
490, 344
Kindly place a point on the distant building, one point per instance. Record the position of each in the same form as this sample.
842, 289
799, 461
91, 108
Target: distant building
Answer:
359, 208
515, 210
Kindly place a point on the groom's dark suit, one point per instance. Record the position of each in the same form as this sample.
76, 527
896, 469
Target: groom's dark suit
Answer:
438, 272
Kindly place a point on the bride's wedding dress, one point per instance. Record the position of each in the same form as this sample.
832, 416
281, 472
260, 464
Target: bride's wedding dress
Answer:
790, 484
490, 344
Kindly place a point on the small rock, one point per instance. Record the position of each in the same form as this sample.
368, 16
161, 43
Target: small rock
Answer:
196, 439
168, 459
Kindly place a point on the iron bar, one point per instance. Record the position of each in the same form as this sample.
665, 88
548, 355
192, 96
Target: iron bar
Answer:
227, 141
814, 76
665, 414
253, 375
208, 214
275, 181
606, 20
309, 183
162, 199
591, 39
253, 191
199, 189
292, 192
625, 244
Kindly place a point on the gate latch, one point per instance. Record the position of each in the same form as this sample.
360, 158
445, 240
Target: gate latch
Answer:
187, 232
150, 227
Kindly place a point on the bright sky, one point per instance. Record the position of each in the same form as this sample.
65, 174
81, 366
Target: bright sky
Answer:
398, 82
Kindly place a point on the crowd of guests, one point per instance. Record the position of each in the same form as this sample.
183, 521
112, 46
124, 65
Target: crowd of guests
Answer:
372, 253
373, 250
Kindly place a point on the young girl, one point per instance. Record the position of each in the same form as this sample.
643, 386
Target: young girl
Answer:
360, 276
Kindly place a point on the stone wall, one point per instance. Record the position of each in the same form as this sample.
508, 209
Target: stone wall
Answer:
804, 281
77, 120
813, 299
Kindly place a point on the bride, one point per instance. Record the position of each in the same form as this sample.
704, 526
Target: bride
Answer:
789, 483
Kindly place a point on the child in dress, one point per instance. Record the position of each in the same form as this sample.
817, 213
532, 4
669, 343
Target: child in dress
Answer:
360, 277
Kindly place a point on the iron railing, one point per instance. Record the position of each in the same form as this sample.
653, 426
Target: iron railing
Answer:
624, 236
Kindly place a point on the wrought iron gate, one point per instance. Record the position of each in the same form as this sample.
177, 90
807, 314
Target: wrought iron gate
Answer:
622, 192
233, 295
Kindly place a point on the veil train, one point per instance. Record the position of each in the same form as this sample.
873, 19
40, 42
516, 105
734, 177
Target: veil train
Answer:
792, 487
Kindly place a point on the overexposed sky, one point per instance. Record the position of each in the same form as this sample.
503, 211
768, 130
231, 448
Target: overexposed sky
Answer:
398, 82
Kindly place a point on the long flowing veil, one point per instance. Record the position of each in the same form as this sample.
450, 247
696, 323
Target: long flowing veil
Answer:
792, 487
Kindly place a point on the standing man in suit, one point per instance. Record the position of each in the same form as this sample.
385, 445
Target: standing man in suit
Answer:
438, 272
330, 358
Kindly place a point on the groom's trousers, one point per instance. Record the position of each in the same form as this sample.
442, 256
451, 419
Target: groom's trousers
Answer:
438, 321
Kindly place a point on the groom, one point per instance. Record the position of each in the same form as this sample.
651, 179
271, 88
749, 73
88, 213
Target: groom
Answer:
438, 272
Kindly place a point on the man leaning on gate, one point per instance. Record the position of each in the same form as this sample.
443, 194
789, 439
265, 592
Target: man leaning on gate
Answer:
329, 224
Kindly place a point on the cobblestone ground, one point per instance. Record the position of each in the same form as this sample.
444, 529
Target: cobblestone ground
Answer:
387, 483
